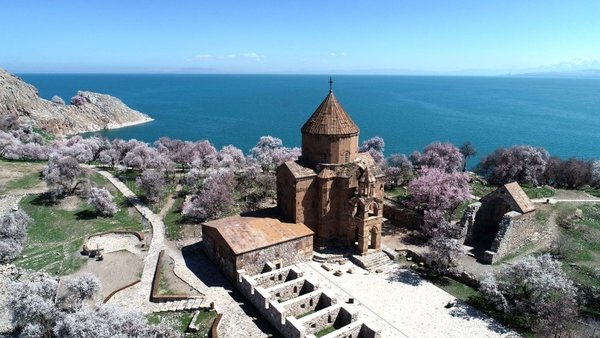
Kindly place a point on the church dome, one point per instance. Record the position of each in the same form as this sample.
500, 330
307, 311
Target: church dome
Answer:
330, 119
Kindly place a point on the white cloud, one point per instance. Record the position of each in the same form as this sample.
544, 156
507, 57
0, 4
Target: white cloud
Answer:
335, 55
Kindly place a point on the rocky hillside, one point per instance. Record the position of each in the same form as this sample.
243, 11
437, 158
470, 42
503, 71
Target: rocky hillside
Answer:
87, 112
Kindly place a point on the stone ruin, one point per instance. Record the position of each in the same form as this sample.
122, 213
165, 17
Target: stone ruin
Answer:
499, 223
297, 308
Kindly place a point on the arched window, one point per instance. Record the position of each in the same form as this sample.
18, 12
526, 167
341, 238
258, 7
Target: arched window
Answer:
347, 157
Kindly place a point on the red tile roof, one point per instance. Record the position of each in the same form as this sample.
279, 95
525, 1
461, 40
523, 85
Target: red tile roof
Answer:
330, 119
246, 233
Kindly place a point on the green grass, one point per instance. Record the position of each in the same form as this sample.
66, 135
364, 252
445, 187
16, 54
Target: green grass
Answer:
325, 331
129, 176
180, 321
25, 182
56, 235
164, 288
472, 297
585, 246
45, 135
397, 192
478, 189
204, 321
455, 288
543, 191
174, 220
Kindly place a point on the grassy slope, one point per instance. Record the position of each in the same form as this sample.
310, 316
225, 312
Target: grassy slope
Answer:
174, 220
56, 235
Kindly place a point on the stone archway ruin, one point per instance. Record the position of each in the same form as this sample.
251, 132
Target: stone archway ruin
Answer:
501, 222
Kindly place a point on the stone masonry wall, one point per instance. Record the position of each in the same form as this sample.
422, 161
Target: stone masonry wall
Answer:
467, 222
291, 289
401, 217
515, 230
335, 315
287, 253
279, 276
313, 301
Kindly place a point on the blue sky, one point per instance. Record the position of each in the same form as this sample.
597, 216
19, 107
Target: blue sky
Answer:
373, 37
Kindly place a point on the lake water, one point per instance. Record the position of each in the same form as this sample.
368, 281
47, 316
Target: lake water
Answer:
562, 115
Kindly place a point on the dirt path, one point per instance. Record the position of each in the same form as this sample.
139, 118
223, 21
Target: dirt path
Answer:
170, 201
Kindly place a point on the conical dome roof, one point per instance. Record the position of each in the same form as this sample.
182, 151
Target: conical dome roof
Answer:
330, 119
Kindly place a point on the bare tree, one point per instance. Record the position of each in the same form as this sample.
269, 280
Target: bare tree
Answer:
102, 200
467, 150
13, 233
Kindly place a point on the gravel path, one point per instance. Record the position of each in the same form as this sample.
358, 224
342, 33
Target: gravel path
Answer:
402, 304
235, 322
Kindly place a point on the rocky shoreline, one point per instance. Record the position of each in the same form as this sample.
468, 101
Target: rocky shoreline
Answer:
87, 111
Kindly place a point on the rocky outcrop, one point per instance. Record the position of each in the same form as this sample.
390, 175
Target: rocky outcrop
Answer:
88, 111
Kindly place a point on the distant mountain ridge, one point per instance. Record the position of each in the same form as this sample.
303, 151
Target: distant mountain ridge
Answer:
584, 73
89, 111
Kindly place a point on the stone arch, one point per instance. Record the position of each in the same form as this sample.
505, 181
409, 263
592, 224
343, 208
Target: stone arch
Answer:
373, 209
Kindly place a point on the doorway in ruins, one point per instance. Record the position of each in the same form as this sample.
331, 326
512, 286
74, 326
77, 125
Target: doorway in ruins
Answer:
373, 238
487, 224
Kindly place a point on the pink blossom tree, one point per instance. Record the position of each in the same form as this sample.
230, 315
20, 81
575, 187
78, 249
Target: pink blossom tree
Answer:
524, 164
270, 153
13, 234
399, 170
437, 194
374, 146
152, 184
61, 175
444, 156
214, 199
102, 200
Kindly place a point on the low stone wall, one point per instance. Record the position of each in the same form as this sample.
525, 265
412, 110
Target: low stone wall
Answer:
401, 216
214, 328
291, 289
282, 301
272, 278
515, 230
119, 289
352, 330
336, 316
154, 295
312, 301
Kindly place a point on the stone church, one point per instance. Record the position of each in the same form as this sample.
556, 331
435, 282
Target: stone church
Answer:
331, 197
333, 189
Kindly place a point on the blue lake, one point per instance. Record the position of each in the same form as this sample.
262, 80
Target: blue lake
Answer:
562, 115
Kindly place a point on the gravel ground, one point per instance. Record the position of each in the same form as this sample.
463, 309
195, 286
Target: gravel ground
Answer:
116, 242
401, 304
